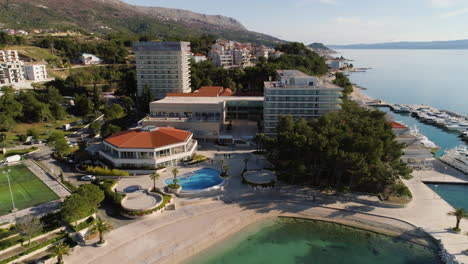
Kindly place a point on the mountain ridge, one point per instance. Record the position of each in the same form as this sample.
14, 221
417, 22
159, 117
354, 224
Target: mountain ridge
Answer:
448, 44
116, 16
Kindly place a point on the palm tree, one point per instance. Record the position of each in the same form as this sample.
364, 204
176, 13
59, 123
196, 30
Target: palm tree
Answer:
175, 171
460, 214
154, 176
101, 226
59, 250
246, 161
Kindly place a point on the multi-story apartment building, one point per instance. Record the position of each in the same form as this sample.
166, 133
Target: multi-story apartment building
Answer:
300, 95
11, 72
9, 56
35, 72
163, 67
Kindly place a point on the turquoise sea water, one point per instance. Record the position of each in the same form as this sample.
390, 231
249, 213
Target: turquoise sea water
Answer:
200, 179
288, 241
433, 77
454, 194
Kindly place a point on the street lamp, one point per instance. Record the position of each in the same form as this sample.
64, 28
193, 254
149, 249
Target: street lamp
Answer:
14, 209
445, 172
435, 191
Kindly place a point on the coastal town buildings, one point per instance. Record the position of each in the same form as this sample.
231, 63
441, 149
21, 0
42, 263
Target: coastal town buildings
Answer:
11, 72
37, 72
198, 57
300, 95
228, 54
148, 148
9, 56
163, 67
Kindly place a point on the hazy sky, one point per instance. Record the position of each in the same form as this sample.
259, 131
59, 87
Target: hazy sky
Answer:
339, 21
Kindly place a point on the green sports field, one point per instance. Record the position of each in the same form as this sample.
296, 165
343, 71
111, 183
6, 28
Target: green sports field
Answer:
27, 189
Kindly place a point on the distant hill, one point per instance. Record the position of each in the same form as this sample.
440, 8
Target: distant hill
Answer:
115, 16
451, 44
317, 45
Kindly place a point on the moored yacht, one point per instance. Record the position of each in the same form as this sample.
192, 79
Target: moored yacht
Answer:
457, 158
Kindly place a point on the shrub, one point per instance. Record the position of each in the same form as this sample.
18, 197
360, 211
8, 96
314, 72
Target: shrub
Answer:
107, 186
51, 222
34, 248
105, 171
6, 232
174, 186
89, 222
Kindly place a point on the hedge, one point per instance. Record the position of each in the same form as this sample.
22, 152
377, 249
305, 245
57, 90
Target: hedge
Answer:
20, 151
34, 248
107, 186
105, 171
6, 232
166, 199
85, 224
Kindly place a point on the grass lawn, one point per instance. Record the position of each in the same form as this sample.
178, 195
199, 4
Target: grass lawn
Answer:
44, 130
28, 190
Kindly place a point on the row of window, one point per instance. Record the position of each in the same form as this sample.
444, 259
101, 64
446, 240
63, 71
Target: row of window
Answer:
161, 57
157, 67
301, 92
159, 77
158, 72
294, 111
301, 105
302, 99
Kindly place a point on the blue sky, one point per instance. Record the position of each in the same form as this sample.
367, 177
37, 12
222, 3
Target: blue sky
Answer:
339, 21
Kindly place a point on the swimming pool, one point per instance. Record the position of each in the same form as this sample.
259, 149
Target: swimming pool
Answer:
198, 180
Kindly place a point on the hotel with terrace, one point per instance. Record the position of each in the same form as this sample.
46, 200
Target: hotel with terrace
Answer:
148, 148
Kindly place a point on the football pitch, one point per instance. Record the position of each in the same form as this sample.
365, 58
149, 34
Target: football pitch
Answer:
28, 190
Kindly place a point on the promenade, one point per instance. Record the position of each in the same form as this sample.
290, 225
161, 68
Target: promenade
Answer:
171, 236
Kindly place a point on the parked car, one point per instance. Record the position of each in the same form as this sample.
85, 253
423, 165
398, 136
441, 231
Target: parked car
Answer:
37, 141
88, 178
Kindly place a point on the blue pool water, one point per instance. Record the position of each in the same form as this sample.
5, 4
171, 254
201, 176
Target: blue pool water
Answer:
455, 194
198, 180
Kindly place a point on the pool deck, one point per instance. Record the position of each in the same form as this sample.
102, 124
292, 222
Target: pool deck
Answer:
199, 223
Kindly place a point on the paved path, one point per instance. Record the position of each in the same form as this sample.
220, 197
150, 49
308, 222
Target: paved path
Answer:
47, 179
165, 237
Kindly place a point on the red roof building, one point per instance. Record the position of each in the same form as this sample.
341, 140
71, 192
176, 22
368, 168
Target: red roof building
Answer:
148, 148
205, 91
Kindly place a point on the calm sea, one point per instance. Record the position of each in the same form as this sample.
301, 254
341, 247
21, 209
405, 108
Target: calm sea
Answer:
432, 77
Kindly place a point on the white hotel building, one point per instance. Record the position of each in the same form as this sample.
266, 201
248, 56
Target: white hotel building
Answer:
163, 67
300, 95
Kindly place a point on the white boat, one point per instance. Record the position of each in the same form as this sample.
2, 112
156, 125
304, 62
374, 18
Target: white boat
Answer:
457, 158
422, 138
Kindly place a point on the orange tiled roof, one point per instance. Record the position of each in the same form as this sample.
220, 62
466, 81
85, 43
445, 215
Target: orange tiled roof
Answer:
397, 125
159, 137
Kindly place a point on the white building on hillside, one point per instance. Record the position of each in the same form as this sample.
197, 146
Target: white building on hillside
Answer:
9, 56
11, 73
163, 67
300, 95
36, 72
89, 59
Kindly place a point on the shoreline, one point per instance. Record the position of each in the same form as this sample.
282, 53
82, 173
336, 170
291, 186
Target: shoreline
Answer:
399, 229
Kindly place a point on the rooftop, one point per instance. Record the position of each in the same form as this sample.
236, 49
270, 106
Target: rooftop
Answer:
160, 45
397, 125
148, 138
291, 73
205, 100
205, 91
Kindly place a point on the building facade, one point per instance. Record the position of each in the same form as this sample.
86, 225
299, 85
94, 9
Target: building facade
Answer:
148, 148
35, 72
163, 67
205, 113
89, 59
11, 72
9, 56
299, 95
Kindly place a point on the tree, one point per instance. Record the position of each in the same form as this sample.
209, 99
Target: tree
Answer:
127, 103
101, 226
59, 250
110, 129
154, 176
29, 226
91, 193
460, 214
33, 133
83, 105
175, 171
75, 208
95, 127
61, 146
114, 111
